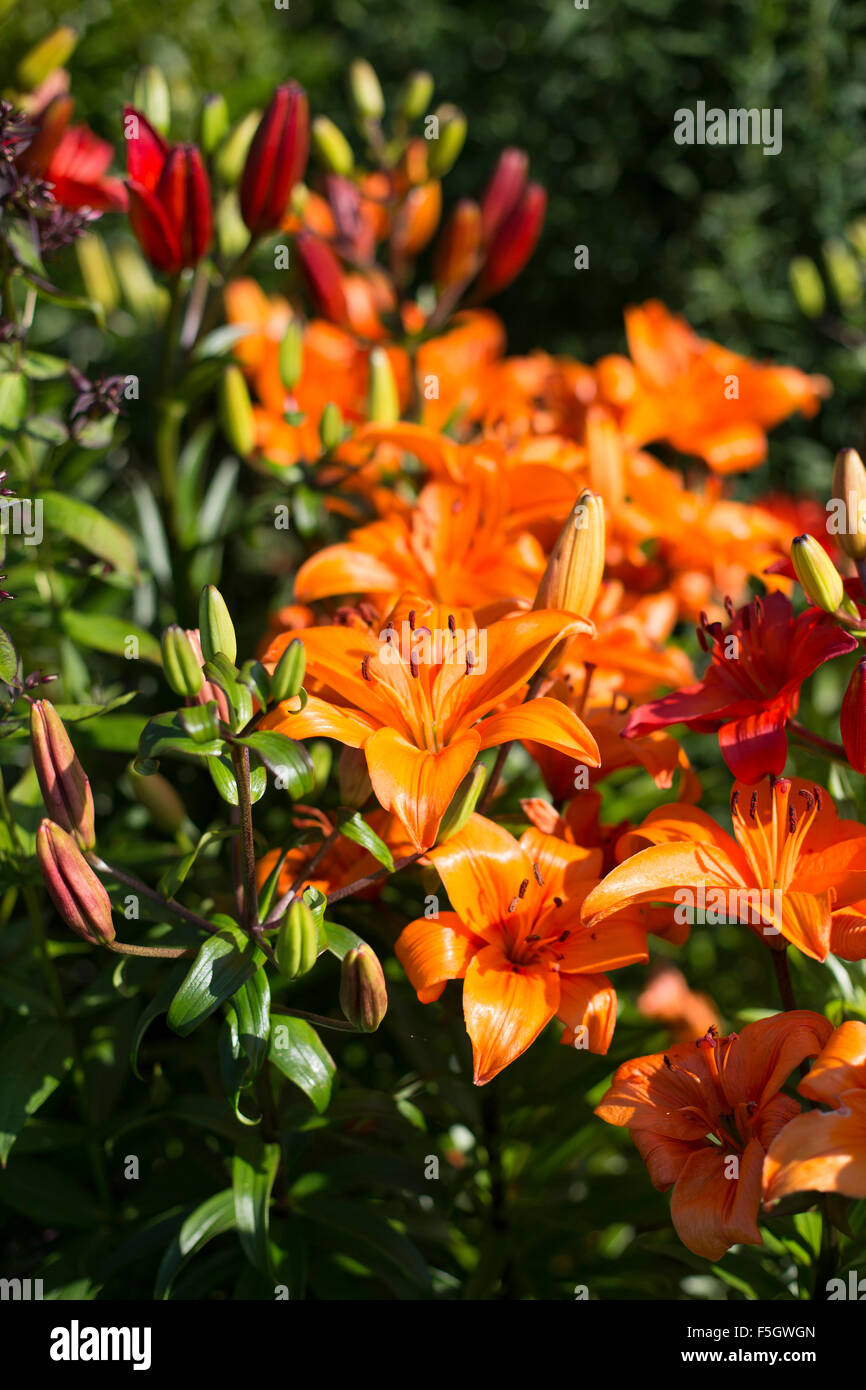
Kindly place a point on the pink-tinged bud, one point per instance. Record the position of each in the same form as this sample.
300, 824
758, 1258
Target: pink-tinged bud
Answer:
457, 250
504, 191
514, 242
852, 719
323, 277
62, 780
276, 159
207, 692
73, 887
363, 993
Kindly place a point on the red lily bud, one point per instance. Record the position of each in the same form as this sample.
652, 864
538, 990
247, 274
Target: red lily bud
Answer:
504, 191
852, 719
62, 780
514, 242
169, 197
323, 276
276, 159
456, 257
73, 887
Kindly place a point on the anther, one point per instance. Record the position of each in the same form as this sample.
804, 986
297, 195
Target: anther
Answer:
412, 620
512, 906
753, 805
365, 668
557, 902
538, 879
521, 892
413, 665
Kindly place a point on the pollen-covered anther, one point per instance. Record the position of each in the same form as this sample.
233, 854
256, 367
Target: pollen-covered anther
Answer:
521, 892
512, 906
538, 879
365, 668
753, 806
470, 661
412, 620
413, 665
557, 902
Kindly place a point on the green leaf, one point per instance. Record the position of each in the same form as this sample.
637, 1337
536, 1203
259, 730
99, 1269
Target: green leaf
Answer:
103, 633
254, 1169
361, 1227
32, 1065
48, 1195
175, 874
8, 657
269, 887
298, 1052
341, 940
226, 960
160, 1004
213, 1218
189, 473
24, 244
288, 760
252, 1006
354, 827
87, 527
13, 402
222, 772
47, 429
166, 734
41, 366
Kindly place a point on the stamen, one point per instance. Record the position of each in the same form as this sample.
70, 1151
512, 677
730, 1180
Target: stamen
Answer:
538, 879
452, 626
564, 935
753, 805
557, 902
792, 820
470, 661
412, 620
817, 791
512, 906
735, 799
365, 668
729, 606
535, 937
807, 797
668, 1063
413, 665
521, 892
702, 639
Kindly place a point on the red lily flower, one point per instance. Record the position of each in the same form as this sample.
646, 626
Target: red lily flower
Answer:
752, 686
169, 197
73, 160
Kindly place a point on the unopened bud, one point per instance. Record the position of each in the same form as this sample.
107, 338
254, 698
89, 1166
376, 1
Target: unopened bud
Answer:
180, 664
233, 151
415, 95
463, 803
331, 147
73, 887
150, 95
849, 488
331, 426
852, 718
62, 780
574, 571
216, 629
236, 411
292, 355
354, 778
297, 941
288, 676
452, 136
46, 56
363, 993
366, 91
213, 122
383, 401
819, 577
807, 286
97, 271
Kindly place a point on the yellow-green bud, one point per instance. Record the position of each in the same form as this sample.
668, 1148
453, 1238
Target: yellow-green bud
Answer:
452, 136
807, 286
233, 151
574, 571
216, 629
363, 993
849, 495
97, 272
844, 273
463, 803
179, 662
292, 355
331, 147
213, 122
236, 411
288, 675
150, 95
46, 57
366, 91
297, 941
331, 426
383, 402
415, 95
819, 577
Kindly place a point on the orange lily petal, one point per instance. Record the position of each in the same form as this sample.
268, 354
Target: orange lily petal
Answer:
417, 785
435, 950
482, 867
319, 719
823, 1151
587, 1002
712, 1212
544, 721
653, 875
505, 1008
841, 1065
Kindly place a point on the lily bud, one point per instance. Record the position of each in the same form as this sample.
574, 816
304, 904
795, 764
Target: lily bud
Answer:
331, 426
180, 664
463, 803
276, 159
452, 136
97, 271
353, 778
150, 94
457, 250
288, 676
322, 275
234, 150
514, 241
292, 355
807, 286
417, 219
73, 887
383, 401
819, 577
576, 565
216, 629
297, 941
46, 56
213, 122
366, 91
236, 411
852, 718
170, 214
849, 488
363, 993
62, 780
415, 95
504, 191
331, 147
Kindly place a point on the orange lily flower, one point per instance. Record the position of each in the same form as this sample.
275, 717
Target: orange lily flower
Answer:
825, 1150
515, 939
423, 697
704, 1114
343, 863
668, 999
788, 865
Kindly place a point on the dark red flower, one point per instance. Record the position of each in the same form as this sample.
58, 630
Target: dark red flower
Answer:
752, 685
276, 159
73, 160
169, 197
323, 276
513, 242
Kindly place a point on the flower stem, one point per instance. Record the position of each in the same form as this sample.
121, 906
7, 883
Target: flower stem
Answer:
126, 948
783, 978
823, 745
167, 905
241, 765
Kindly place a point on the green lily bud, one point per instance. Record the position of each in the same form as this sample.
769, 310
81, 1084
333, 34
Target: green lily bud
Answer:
463, 803
415, 95
292, 355
213, 122
452, 136
819, 577
331, 147
46, 57
297, 941
97, 272
363, 993
807, 286
233, 151
180, 664
62, 780
383, 402
322, 758
150, 95
354, 779
288, 676
216, 629
73, 887
366, 91
844, 272
236, 412
331, 426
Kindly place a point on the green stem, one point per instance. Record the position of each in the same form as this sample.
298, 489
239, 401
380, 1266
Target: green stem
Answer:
241, 765
126, 948
166, 905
